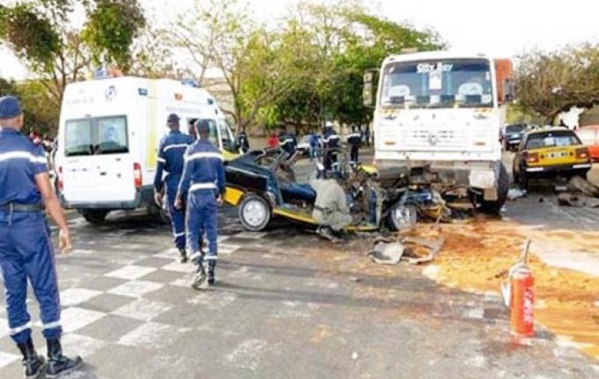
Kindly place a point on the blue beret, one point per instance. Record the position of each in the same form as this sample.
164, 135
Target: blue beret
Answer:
173, 118
9, 107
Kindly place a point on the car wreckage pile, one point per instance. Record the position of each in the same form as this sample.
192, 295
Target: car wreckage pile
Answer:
262, 184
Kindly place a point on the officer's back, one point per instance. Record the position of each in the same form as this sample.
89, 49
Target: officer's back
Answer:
17, 176
173, 150
204, 162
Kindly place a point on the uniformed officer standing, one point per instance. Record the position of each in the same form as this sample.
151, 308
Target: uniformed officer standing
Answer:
330, 142
170, 159
354, 140
204, 183
287, 142
243, 144
26, 251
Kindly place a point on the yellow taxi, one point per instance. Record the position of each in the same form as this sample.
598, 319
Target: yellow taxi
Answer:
550, 153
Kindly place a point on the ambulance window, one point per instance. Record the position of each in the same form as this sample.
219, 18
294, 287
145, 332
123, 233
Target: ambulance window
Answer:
112, 135
78, 137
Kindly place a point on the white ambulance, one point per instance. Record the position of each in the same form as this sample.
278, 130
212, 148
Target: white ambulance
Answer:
109, 134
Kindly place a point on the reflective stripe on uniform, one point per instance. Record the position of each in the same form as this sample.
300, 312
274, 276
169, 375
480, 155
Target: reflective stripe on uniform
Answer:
199, 186
178, 146
162, 160
22, 155
179, 234
202, 155
51, 325
210, 257
195, 255
21, 328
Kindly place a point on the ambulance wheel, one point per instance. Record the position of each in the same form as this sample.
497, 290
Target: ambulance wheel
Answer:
402, 217
94, 216
254, 213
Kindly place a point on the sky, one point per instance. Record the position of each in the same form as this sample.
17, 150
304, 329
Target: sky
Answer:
506, 29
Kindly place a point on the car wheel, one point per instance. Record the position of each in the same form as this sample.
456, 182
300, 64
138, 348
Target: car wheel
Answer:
94, 216
402, 217
503, 186
254, 213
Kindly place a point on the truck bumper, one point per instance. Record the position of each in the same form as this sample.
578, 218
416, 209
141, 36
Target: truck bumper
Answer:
474, 174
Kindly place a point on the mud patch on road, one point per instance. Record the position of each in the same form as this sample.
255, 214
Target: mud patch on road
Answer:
475, 254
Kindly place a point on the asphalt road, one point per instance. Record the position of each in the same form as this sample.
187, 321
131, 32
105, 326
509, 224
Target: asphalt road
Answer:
286, 305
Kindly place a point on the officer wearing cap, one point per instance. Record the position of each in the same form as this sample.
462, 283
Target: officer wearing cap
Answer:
204, 184
26, 252
170, 160
330, 142
354, 140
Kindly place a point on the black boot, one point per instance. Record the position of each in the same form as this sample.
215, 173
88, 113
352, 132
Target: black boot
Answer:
200, 275
211, 267
33, 363
183, 255
59, 364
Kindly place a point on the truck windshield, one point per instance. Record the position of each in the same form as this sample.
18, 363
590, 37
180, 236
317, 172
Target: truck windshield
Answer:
95, 136
446, 83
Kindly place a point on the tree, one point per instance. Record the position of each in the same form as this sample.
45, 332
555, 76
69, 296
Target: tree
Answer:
111, 28
41, 34
551, 82
348, 40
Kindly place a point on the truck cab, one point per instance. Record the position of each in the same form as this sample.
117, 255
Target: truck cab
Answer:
441, 111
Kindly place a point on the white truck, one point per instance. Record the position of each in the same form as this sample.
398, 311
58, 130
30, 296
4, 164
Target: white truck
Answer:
442, 111
108, 139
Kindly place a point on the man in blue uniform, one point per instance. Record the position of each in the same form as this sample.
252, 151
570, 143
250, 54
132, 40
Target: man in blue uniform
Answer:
204, 183
330, 142
170, 159
354, 140
287, 142
26, 251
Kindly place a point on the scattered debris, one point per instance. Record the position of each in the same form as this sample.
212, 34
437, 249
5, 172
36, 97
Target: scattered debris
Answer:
387, 253
391, 252
569, 199
355, 356
515, 193
584, 186
356, 280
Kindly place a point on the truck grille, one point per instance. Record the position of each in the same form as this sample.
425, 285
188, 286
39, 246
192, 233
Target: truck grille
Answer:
433, 139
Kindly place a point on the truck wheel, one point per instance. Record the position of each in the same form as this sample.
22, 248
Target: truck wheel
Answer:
254, 213
503, 186
402, 217
94, 216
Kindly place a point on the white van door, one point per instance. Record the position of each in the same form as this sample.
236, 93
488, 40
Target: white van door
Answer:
98, 164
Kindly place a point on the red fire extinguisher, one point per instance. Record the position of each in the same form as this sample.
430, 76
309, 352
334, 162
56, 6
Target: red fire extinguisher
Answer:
519, 296
521, 302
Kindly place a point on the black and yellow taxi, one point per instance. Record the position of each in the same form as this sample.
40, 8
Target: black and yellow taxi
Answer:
550, 153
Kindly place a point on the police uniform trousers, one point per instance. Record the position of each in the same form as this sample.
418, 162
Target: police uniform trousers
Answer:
202, 217
177, 215
26, 253
354, 152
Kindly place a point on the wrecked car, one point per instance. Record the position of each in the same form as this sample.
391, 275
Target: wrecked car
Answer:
262, 185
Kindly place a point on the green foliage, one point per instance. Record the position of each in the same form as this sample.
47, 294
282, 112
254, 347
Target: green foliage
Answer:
111, 28
551, 82
40, 115
30, 35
